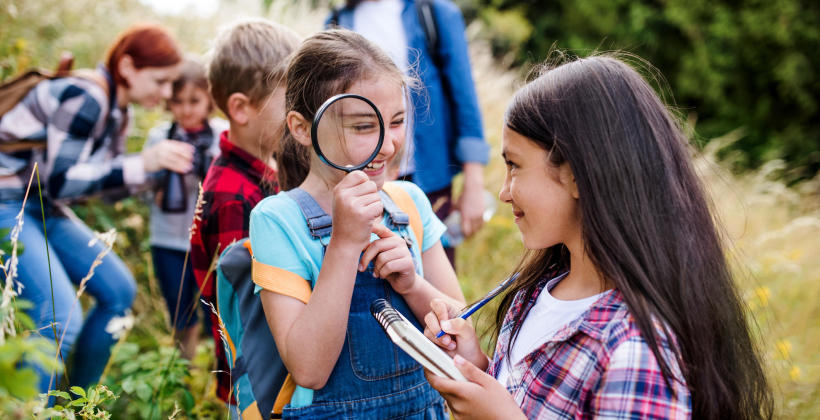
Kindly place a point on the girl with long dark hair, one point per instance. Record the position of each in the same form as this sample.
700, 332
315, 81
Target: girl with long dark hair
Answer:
625, 306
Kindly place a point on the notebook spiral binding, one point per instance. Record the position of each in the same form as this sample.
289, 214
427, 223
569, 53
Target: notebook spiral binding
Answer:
384, 313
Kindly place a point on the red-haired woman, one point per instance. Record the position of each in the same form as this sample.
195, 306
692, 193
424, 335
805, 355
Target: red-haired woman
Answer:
81, 124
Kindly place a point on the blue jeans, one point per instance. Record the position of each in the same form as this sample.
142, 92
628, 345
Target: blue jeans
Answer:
71, 257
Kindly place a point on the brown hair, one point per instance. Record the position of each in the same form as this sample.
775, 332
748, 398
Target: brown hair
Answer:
193, 72
326, 64
148, 45
249, 57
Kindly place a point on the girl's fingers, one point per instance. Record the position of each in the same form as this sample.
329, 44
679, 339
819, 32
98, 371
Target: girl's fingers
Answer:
369, 253
373, 210
373, 250
471, 372
441, 309
448, 388
352, 179
385, 262
383, 231
432, 327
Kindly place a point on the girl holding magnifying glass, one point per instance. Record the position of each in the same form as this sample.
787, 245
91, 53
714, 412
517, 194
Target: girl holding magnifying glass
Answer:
336, 243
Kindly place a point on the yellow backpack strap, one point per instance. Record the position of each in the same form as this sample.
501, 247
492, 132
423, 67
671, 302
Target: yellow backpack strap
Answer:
278, 280
284, 396
406, 204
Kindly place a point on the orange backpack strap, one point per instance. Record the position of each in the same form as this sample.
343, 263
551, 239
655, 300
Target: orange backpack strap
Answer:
406, 204
278, 280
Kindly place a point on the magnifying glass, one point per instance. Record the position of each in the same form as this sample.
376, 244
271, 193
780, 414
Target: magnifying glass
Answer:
347, 132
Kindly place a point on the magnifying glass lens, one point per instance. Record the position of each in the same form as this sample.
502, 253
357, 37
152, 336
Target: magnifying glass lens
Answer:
348, 133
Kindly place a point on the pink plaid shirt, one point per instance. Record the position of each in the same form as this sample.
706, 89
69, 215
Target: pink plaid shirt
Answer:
597, 366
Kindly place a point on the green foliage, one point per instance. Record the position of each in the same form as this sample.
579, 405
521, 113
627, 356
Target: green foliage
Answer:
85, 404
17, 355
149, 381
732, 64
5, 245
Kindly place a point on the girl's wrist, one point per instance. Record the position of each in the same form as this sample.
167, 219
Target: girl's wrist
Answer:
344, 249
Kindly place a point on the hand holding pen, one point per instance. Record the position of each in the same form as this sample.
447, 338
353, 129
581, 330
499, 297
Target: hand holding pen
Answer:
476, 306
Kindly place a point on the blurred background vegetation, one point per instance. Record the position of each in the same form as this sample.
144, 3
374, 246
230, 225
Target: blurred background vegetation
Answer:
731, 64
743, 78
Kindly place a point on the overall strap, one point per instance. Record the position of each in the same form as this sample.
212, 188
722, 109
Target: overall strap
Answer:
397, 217
317, 220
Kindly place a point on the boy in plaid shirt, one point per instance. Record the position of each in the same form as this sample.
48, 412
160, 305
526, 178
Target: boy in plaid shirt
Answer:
245, 72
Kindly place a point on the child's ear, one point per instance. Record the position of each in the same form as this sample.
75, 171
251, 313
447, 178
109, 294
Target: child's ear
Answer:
299, 127
239, 107
567, 179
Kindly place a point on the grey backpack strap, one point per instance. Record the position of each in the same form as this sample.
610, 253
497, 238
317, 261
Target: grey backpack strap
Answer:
318, 221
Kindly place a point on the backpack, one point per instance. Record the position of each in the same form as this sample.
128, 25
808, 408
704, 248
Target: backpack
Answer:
15, 90
259, 379
427, 20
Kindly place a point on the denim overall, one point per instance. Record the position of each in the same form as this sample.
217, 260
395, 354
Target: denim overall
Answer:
373, 378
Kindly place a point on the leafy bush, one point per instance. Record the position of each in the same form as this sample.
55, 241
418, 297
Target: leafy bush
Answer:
86, 404
731, 64
150, 382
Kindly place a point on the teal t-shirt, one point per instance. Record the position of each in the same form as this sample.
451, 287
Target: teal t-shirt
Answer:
280, 237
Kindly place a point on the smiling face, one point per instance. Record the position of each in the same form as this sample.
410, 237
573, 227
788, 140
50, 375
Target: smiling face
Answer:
351, 130
190, 106
149, 86
543, 197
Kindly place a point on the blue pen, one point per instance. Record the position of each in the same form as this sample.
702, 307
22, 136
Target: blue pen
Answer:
476, 306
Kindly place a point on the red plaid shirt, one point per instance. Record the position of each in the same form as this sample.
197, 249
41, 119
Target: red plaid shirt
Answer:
234, 184
597, 366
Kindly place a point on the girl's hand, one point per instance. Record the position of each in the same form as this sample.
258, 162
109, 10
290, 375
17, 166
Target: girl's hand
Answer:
471, 202
169, 154
393, 260
356, 208
460, 339
481, 397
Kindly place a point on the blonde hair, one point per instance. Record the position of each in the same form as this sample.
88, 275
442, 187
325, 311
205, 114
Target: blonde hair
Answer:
249, 57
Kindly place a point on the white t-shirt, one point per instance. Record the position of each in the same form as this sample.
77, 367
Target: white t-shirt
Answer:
546, 317
380, 22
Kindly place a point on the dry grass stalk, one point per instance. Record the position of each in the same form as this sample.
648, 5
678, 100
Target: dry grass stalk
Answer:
108, 238
10, 270
227, 349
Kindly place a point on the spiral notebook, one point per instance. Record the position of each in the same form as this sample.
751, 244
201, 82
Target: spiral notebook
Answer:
413, 342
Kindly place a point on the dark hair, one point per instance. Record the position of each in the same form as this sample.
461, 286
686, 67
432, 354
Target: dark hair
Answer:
326, 64
646, 224
149, 45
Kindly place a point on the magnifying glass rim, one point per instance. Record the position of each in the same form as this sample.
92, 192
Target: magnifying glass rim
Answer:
314, 135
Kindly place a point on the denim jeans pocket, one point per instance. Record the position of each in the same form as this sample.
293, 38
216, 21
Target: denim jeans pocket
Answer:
373, 356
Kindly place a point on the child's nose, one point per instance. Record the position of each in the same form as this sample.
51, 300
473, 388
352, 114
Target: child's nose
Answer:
504, 194
389, 144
